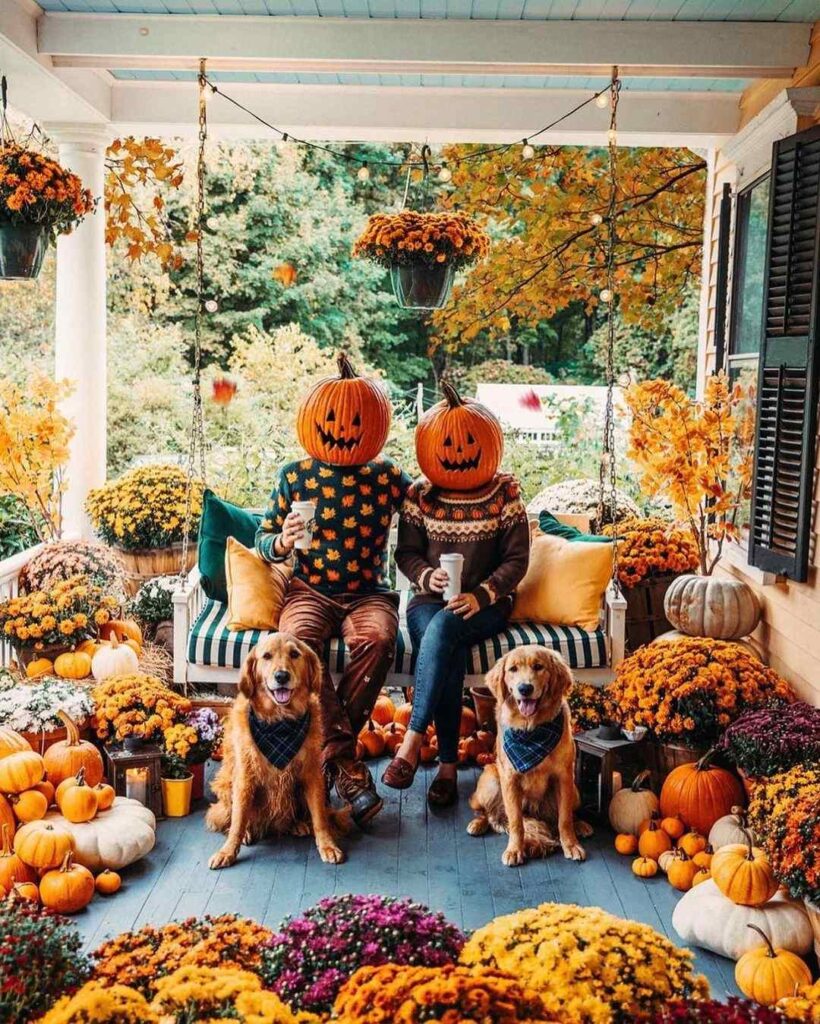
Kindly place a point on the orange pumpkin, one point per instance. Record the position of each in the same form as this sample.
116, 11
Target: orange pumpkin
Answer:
344, 420
692, 843
27, 891
700, 793
404, 712
372, 739
703, 858
40, 845
30, 805
469, 722
743, 874
124, 630
66, 757
20, 771
72, 665
12, 868
79, 802
11, 742
459, 442
673, 827
644, 867
105, 795
393, 735
67, 889
383, 711
702, 875
626, 843
653, 841
767, 975
7, 815
681, 872
47, 789
108, 882
429, 749
39, 667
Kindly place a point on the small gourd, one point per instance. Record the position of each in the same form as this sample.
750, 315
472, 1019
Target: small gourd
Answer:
403, 714
42, 845
79, 802
692, 843
107, 882
72, 665
703, 858
105, 795
372, 739
114, 659
27, 891
39, 667
67, 889
626, 843
653, 841
673, 827
665, 860
122, 630
644, 867
702, 875
681, 872
730, 829
12, 868
11, 742
743, 874
384, 710
767, 975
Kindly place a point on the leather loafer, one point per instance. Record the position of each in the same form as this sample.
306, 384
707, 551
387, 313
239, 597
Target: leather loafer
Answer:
442, 793
399, 774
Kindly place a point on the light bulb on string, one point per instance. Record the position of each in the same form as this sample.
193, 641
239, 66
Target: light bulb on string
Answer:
528, 150
445, 174
612, 137
596, 219
211, 305
602, 100
363, 173
606, 295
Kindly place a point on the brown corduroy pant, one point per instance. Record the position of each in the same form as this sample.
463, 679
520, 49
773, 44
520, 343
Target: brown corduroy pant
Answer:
368, 624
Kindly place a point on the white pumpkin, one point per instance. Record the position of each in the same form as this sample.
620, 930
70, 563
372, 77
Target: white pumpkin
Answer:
730, 829
114, 659
124, 833
715, 606
705, 917
666, 859
632, 805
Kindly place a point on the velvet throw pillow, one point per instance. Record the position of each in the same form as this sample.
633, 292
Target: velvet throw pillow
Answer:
547, 523
565, 582
220, 520
256, 588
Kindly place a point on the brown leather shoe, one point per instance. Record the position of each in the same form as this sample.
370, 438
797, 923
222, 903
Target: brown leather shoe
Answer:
354, 785
442, 792
399, 774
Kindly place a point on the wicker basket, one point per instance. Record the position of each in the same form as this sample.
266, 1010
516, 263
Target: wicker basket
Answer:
645, 617
25, 655
143, 564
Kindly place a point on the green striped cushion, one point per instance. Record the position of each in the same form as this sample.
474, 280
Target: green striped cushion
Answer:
212, 643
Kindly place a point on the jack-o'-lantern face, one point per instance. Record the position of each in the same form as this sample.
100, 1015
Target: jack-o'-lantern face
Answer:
459, 443
344, 420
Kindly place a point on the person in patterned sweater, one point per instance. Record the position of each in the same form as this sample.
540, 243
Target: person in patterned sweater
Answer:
486, 523
339, 585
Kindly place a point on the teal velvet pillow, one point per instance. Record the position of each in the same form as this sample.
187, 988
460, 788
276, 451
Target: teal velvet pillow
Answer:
220, 520
549, 524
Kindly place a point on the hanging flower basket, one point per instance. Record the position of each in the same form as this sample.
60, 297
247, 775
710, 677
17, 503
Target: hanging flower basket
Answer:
39, 199
422, 251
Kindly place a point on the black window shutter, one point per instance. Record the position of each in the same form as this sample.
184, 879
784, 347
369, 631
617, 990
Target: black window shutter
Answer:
786, 441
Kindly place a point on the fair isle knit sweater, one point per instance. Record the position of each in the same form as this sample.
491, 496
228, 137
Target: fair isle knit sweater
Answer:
487, 526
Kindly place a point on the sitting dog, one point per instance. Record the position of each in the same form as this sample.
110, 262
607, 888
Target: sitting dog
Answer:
531, 787
271, 779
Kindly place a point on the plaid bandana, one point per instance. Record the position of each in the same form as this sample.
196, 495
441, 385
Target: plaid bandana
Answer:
527, 748
279, 741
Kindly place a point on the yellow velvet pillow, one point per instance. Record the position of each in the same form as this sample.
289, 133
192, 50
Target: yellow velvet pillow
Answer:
565, 582
256, 589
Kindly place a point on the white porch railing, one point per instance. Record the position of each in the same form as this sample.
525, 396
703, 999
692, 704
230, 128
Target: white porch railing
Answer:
9, 573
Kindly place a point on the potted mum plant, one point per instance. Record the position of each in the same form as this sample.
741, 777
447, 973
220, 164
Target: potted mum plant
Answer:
769, 740
34, 710
39, 200
422, 252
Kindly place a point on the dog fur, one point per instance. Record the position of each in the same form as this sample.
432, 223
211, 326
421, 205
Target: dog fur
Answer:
529, 806
254, 798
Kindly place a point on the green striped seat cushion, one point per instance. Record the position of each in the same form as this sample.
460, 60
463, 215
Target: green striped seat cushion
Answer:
212, 643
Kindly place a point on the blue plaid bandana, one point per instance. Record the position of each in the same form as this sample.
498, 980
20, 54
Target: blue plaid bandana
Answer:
527, 748
279, 741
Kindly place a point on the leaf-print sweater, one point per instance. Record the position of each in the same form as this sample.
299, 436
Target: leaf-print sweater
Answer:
488, 527
354, 508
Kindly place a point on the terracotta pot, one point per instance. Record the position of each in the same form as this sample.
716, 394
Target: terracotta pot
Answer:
198, 785
176, 796
813, 910
484, 706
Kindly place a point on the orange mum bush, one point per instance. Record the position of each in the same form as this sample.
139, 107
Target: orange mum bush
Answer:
35, 189
428, 238
393, 994
692, 688
651, 547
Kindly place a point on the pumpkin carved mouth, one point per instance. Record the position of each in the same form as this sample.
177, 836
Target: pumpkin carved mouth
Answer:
460, 465
330, 440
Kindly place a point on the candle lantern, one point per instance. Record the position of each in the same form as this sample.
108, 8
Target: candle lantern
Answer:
136, 774
602, 765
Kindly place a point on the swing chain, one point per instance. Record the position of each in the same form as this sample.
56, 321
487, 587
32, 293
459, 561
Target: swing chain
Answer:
197, 444
608, 475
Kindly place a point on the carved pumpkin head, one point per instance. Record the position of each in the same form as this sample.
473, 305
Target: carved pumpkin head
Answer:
344, 420
459, 443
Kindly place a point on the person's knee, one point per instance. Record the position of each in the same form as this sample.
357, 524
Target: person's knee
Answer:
446, 629
380, 646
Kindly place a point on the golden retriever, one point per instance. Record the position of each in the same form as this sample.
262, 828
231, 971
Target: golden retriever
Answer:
529, 685
280, 679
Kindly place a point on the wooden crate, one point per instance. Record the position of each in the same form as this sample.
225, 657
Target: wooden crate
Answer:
645, 617
662, 758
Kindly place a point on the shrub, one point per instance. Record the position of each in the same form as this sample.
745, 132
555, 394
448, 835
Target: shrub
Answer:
96, 1004
588, 966
581, 498
312, 956
152, 603
772, 740
40, 959
63, 559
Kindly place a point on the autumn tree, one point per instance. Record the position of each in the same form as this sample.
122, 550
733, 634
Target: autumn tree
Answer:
547, 218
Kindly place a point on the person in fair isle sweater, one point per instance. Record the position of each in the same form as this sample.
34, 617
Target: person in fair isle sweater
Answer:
462, 506
339, 585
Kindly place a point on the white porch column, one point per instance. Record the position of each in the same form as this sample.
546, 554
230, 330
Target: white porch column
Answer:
80, 342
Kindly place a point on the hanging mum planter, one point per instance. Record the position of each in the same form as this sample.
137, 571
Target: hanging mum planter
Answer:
39, 199
422, 251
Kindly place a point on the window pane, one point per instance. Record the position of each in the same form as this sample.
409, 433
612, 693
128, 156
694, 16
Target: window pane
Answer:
743, 374
753, 218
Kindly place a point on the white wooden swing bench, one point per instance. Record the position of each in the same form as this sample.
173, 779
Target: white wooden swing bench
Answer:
206, 651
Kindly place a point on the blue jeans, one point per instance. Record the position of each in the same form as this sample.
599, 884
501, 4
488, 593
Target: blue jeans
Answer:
441, 640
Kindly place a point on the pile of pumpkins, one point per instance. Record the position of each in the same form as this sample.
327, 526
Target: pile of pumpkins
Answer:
115, 652
388, 722
64, 834
696, 835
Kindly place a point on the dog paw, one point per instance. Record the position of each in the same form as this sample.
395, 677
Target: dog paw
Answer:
583, 829
331, 854
222, 859
478, 827
301, 828
574, 851
512, 857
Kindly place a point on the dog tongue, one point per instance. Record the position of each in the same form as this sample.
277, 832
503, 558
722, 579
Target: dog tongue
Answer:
527, 707
281, 696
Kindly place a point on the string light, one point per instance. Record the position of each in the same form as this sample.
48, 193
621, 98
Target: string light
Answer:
528, 152
606, 295
363, 173
602, 100
596, 219
211, 305
445, 174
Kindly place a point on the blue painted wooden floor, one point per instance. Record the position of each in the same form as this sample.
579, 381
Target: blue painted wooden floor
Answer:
409, 851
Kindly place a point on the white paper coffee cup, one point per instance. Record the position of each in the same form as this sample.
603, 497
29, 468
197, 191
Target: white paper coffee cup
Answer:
452, 564
307, 510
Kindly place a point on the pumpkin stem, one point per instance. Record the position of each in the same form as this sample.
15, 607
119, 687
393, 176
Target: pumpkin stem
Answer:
769, 947
66, 865
80, 776
6, 849
747, 835
114, 642
705, 763
346, 371
740, 813
638, 781
682, 854
451, 396
73, 737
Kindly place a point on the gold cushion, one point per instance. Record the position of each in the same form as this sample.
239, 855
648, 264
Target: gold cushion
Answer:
565, 582
256, 588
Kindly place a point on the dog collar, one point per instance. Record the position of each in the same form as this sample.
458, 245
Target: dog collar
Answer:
527, 748
279, 741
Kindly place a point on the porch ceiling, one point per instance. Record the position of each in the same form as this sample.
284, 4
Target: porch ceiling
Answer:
461, 70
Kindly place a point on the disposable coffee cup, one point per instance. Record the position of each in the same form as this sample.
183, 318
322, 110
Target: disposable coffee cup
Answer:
307, 510
452, 564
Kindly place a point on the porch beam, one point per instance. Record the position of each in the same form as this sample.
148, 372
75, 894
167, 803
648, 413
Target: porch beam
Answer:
406, 114
731, 49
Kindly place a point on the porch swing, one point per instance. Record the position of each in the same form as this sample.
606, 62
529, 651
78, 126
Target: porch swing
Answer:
206, 651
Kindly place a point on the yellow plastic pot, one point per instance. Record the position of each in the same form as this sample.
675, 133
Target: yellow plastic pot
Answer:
176, 796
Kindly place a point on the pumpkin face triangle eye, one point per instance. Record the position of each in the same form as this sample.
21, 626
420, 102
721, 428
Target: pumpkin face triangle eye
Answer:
356, 421
470, 439
448, 441
331, 416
